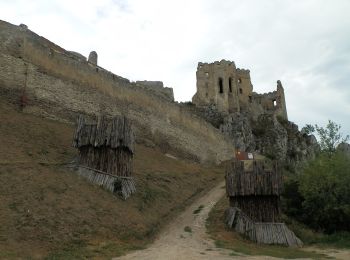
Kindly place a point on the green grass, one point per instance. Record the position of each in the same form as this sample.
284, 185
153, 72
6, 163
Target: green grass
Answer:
309, 237
196, 211
338, 240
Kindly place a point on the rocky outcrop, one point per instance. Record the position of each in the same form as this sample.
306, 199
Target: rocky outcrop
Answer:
272, 136
344, 148
238, 128
301, 147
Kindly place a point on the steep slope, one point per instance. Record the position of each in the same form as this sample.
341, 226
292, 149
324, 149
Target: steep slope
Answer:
46, 210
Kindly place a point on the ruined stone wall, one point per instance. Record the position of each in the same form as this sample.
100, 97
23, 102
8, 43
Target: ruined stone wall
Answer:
270, 103
208, 113
60, 86
157, 88
245, 89
230, 90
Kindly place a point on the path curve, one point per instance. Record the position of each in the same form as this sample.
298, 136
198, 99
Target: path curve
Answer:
175, 243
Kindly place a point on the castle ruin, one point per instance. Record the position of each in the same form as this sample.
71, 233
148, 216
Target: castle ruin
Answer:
226, 115
60, 84
230, 89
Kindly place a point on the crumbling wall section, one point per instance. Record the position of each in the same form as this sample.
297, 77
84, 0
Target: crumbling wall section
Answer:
209, 113
270, 103
157, 88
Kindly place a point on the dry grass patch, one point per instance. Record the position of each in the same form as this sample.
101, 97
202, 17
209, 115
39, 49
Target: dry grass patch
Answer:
48, 211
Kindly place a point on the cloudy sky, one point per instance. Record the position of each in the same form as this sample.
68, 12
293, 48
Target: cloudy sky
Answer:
304, 43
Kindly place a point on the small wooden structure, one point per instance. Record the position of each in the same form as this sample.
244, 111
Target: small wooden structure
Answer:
254, 192
261, 232
106, 152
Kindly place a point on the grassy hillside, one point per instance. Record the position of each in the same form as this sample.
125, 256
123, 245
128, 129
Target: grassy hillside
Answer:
46, 210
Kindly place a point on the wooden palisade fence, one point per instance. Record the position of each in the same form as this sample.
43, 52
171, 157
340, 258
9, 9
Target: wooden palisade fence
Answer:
106, 150
254, 203
255, 192
261, 232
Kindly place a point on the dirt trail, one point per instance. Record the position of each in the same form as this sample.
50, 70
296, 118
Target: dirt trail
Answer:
175, 243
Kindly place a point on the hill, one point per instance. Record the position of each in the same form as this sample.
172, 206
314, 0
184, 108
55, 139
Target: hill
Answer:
47, 210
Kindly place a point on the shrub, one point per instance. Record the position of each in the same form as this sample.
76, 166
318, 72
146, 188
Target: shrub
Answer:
324, 186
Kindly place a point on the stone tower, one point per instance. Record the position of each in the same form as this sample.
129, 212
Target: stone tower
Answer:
93, 58
217, 84
281, 108
230, 89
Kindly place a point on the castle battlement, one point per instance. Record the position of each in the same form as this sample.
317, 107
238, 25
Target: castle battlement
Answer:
243, 73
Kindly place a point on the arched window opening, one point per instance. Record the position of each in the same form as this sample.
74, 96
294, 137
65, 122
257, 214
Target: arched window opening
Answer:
250, 99
239, 80
230, 85
274, 102
221, 86
240, 91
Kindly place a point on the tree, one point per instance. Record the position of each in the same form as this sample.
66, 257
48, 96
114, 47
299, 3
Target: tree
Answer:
324, 186
320, 196
329, 136
308, 129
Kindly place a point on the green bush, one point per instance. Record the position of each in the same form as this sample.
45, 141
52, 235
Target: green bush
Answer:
324, 186
320, 195
292, 199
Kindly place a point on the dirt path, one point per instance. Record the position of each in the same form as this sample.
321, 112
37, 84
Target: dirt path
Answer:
176, 243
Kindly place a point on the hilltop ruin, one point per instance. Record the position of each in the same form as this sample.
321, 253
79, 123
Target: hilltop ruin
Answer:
225, 115
61, 84
230, 89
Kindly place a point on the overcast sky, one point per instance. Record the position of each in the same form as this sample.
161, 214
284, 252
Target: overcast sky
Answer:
304, 43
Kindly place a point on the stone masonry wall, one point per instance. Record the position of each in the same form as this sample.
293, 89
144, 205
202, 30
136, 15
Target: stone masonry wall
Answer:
157, 87
60, 86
